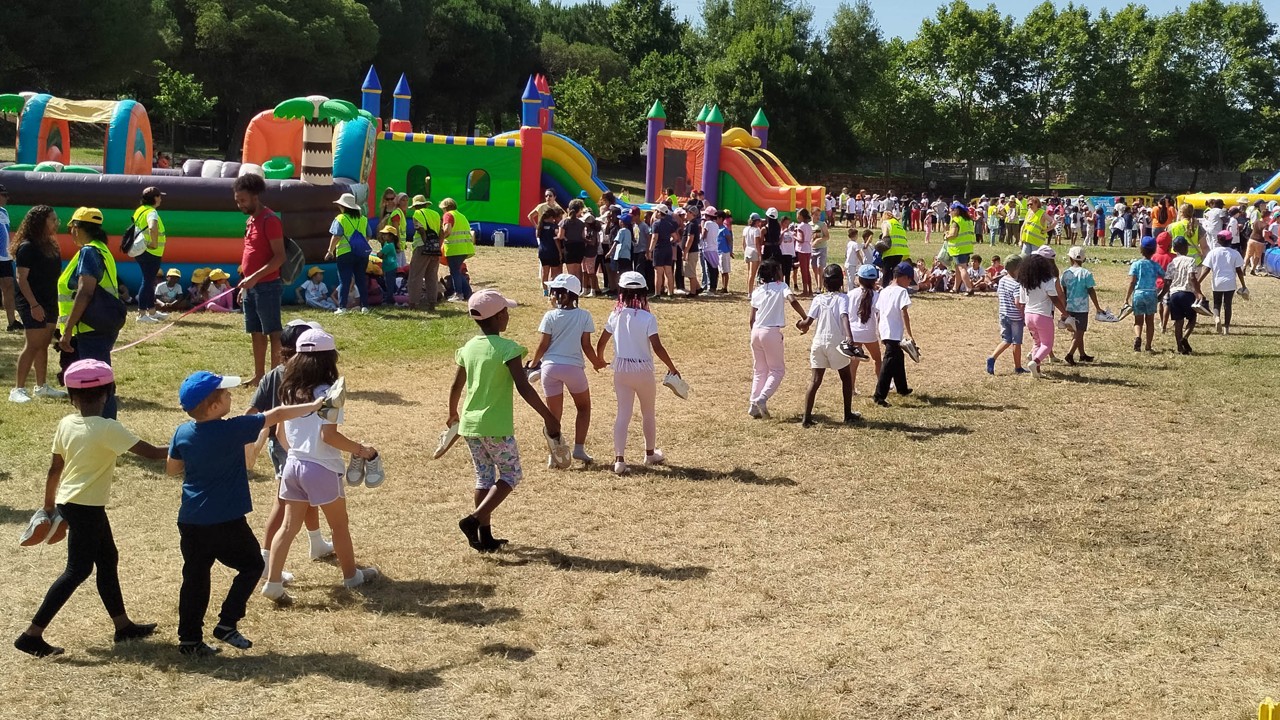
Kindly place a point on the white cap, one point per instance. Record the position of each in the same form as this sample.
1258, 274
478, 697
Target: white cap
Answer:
771, 213
1076, 253
1046, 251
663, 209
348, 201
632, 280
567, 282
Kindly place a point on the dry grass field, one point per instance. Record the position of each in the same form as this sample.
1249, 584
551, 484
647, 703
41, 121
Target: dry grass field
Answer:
1097, 544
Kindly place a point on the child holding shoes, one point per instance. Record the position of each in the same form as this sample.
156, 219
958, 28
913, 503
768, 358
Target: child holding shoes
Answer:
830, 310
565, 342
895, 326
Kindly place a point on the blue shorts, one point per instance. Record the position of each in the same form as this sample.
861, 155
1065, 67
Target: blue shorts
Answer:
262, 307
1144, 302
1011, 330
960, 260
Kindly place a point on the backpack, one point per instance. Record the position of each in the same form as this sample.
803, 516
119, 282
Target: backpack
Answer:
294, 261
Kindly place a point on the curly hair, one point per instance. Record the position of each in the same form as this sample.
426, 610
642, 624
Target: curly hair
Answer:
34, 230
1033, 271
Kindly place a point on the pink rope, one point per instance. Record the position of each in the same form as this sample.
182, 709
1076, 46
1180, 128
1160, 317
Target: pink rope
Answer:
173, 322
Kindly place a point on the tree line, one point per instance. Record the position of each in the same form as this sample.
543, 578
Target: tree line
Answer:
1197, 87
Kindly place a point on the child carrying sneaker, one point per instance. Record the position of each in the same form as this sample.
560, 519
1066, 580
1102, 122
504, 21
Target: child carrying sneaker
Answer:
830, 310
312, 474
566, 339
769, 303
1141, 295
489, 370
1078, 285
208, 451
895, 326
85, 447
635, 341
1012, 319
1182, 286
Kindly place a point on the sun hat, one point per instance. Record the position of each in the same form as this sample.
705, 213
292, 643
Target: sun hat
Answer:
348, 201
402, 196
771, 213
904, 269
632, 280
1045, 251
200, 384
487, 303
662, 209
218, 274
959, 206
419, 201
173, 272
868, 272
317, 270
709, 211
1076, 253
88, 374
87, 215
389, 229
315, 340
199, 275
566, 281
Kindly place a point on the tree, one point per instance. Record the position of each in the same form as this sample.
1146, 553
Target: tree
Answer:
598, 115
561, 57
637, 28
895, 115
865, 73
180, 100
1111, 121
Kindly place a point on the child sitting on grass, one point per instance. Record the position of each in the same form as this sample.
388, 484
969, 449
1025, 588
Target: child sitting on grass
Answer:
85, 447
978, 280
489, 369
1078, 285
315, 293
1012, 320
1141, 295
208, 451
830, 310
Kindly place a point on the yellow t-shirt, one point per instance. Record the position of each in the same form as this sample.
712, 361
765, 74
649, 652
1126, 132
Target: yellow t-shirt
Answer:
89, 447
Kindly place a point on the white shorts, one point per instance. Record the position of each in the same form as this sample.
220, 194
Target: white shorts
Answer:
824, 355
751, 254
724, 262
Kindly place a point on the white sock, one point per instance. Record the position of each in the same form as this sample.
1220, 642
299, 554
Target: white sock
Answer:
355, 580
316, 538
273, 590
266, 555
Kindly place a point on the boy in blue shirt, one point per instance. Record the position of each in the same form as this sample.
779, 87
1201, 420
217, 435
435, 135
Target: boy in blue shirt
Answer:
1141, 296
724, 246
209, 453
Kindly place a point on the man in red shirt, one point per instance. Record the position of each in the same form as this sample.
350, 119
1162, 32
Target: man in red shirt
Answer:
261, 289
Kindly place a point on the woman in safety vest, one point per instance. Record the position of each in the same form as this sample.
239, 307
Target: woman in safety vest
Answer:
960, 237
350, 248
90, 268
146, 218
459, 244
1032, 231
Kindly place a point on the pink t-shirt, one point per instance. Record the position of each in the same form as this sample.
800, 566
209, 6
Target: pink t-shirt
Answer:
258, 232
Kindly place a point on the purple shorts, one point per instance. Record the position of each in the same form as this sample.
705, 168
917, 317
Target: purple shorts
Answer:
555, 378
309, 482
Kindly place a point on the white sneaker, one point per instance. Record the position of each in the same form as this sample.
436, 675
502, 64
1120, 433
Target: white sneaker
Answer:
373, 472
322, 550
341, 311
583, 456
286, 577
620, 468
657, 458
1034, 367
160, 316
1217, 322
45, 391
753, 410
762, 405
356, 470
276, 594
363, 576
146, 319
19, 395
364, 311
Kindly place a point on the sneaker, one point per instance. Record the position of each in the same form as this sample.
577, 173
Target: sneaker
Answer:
135, 631
37, 529
321, 551
15, 326
1106, 316
1070, 359
45, 391
447, 439
363, 576
232, 636
909, 348
373, 472
1217, 323
991, 366
35, 646
1226, 329
356, 470
1086, 358
57, 528
160, 316
583, 456
753, 410
1125, 311
1020, 371
146, 319
763, 406
198, 649
364, 311
341, 311
19, 395
1035, 369
657, 458
1137, 344
275, 592
620, 468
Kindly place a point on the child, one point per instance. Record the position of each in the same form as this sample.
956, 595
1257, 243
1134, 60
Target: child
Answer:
1037, 277
169, 295
994, 271
566, 338
1012, 320
1226, 265
315, 293
1163, 256
1182, 289
831, 312
313, 470
489, 368
894, 327
1141, 296
852, 258
208, 452
787, 245
218, 292
389, 253
725, 247
636, 331
978, 279
85, 447
864, 319
768, 315
1078, 284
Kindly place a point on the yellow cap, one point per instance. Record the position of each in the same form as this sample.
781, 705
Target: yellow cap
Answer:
389, 229
173, 272
87, 215
200, 275
218, 274
314, 271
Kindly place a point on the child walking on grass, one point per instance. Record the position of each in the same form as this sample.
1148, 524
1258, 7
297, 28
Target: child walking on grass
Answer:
565, 342
635, 341
1182, 288
313, 470
1078, 285
85, 447
768, 315
489, 370
830, 311
208, 452
895, 327
1226, 265
1141, 295
1037, 277
1012, 319
864, 320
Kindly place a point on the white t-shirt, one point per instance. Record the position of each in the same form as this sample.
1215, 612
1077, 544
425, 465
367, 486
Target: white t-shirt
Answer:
804, 237
1037, 299
890, 304
852, 260
853, 206
566, 326
305, 443
631, 330
1214, 222
710, 235
826, 310
770, 301
864, 332
316, 292
1223, 261
787, 241
1178, 275
749, 235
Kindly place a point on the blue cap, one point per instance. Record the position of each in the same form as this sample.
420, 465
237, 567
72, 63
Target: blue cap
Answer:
1148, 242
200, 384
868, 272
959, 206
904, 268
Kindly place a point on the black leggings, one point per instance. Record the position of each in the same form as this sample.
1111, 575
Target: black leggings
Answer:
1222, 302
892, 369
231, 543
89, 544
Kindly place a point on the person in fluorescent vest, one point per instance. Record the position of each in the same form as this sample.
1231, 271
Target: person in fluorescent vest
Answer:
424, 257
960, 237
1033, 227
349, 247
459, 244
91, 267
892, 232
146, 218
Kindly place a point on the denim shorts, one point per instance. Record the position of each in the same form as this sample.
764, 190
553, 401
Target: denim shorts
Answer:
262, 307
1011, 330
1144, 302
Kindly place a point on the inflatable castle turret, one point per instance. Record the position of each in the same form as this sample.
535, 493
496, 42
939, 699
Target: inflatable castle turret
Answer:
371, 95
535, 118
760, 129
400, 106
657, 120
713, 130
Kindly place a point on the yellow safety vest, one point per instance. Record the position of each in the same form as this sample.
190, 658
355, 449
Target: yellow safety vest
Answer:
401, 227
1190, 231
897, 240
962, 243
1022, 208
424, 218
459, 241
67, 291
1033, 228
140, 222
350, 226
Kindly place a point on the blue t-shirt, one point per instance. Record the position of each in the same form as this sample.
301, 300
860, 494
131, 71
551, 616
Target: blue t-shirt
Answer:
91, 264
4, 234
1077, 281
725, 239
566, 326
1146, 271
664, 229
215, 483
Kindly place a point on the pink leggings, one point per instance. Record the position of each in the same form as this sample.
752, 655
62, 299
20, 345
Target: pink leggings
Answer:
767, 366
1041, 327
627, 386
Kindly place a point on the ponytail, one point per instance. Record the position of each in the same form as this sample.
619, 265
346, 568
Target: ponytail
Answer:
864, 303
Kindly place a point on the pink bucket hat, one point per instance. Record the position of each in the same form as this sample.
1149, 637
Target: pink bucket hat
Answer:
88, 374
487, 303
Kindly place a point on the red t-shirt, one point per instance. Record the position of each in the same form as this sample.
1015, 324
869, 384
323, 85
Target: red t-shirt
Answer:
1162, 258
258, 232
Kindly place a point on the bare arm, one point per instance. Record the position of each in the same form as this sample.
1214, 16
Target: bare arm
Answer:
51, 481
604, 340
589, 352
333, 247
24, 287
333, 437
661, 352
174, 466
544, 344
277, 415
1133, 281
906, 324
149, 451
455, 394
530, 396
795, 305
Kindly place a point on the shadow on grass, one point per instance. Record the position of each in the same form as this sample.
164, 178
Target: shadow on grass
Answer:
136, 403
951, 403
456, 604
269, 667
915, 432
382, 397
14, 515
518, 556
738, 474
1095, 380
514, 653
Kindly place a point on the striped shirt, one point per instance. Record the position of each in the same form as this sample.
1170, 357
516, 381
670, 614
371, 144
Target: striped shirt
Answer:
1007, 293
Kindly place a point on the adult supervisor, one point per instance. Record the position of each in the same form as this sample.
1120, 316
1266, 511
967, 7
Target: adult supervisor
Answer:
260, 263
424, 263
892, 232
349, 247
1032, 227
459, 244
960, 237
151, 231
92, 267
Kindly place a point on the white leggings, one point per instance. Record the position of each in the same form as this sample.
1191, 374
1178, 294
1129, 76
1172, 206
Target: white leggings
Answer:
627, 386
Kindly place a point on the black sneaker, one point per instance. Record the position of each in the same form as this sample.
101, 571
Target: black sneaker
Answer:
1137, 344
198, 649
35, 646
135, 631
15, 327
1086, 358
1069, 359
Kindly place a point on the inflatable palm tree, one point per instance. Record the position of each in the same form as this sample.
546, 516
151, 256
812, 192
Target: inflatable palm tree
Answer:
318, 115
